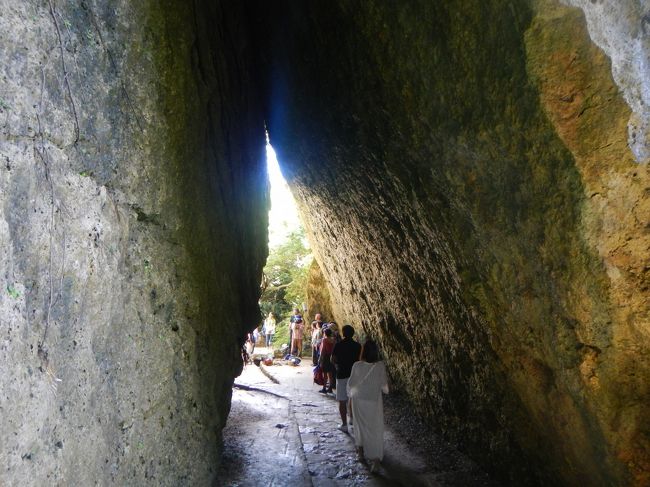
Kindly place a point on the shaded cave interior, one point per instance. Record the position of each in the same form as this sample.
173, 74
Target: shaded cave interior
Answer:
445, 205
463, 174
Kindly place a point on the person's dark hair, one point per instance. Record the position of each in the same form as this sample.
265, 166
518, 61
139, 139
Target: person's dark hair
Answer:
328, 332
370, 351
348, 331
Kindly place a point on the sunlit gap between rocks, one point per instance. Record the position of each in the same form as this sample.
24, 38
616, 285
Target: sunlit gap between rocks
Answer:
283, 216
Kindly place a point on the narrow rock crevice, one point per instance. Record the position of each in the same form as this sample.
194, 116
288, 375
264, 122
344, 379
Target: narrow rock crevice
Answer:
471, 174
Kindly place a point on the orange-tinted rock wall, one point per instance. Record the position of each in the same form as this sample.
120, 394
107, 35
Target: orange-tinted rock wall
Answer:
470, 192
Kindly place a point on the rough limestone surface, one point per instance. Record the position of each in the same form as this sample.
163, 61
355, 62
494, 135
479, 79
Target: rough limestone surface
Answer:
621, 28
318, 296
475, 203
132, 236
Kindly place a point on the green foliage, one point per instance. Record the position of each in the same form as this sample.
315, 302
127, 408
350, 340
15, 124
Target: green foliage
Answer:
281, 334
285, 277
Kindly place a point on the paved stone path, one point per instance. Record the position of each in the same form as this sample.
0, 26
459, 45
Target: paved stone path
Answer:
296, 441
261, 440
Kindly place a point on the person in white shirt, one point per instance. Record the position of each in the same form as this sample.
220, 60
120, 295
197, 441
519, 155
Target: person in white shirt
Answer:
365, 386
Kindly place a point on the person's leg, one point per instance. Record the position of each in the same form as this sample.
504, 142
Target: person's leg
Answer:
343, 411
360, 456
350, 409
342, 398
299, 346
324, 390
330, 378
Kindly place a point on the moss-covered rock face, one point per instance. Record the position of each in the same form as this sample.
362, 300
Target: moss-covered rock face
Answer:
473, 202
132, 236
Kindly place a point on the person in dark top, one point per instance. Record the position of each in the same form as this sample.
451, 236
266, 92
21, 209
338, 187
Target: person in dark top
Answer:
345, 354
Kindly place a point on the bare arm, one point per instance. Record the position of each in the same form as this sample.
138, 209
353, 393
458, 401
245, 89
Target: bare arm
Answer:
384, 387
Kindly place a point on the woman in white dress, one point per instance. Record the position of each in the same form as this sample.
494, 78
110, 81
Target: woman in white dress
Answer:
365, 386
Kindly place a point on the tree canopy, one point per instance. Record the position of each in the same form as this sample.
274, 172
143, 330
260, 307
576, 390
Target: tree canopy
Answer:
285, 276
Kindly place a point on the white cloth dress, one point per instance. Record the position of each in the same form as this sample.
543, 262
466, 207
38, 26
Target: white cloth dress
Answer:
366, 383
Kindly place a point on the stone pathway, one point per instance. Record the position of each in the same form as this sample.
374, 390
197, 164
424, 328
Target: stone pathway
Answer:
330, 453
262, 444
293, 438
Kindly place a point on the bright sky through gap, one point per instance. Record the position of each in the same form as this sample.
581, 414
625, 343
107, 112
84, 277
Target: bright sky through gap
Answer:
283, 217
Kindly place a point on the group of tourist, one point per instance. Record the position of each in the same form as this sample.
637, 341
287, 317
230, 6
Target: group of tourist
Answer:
356, 375
297, 332
353, 372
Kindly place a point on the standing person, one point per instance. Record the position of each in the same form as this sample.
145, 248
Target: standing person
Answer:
298, 327
316, 336
325, 360
345, 354
294, 317
250, 344
366, 383
269, 329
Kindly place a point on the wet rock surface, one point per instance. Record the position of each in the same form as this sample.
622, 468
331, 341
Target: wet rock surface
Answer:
269, 439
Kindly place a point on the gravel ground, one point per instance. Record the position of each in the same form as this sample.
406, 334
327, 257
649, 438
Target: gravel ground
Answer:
451, 467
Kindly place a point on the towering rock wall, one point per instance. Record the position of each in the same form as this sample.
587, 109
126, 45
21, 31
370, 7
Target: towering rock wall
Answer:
472, 198
318, 296
132, 237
